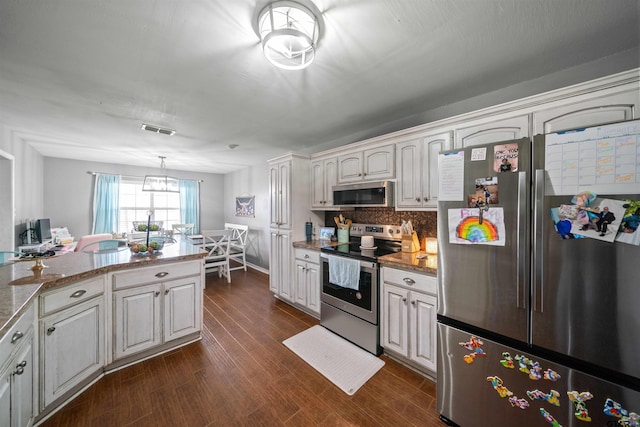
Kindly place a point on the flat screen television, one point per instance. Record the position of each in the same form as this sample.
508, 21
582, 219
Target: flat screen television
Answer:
43, 230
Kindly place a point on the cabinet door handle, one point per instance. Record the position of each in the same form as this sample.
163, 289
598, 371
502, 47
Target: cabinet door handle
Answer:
20, 367
50, 330
413, 302
417, 199
16, 336
166, 291
78, 294
157, 293
404, 300
409, 281
425, 198
162, 274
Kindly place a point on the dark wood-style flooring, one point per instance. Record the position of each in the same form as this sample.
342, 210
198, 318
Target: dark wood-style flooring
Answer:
240, 374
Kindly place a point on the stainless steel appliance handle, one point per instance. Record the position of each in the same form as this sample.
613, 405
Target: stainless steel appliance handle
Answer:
365, 265
521, 241
538, 247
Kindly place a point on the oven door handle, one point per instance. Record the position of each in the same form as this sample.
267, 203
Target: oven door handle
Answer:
365, 265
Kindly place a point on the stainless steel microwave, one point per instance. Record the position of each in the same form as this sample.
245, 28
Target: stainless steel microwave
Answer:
364, 194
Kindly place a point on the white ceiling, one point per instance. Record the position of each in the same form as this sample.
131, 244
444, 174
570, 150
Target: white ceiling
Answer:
79, 77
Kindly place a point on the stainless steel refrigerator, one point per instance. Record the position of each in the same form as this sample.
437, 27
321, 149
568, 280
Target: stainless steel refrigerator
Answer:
538, 321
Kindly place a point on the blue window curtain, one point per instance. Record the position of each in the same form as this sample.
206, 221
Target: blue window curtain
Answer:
190, 203
106, 204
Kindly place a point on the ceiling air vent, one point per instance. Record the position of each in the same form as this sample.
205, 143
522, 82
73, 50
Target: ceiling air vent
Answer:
158, 129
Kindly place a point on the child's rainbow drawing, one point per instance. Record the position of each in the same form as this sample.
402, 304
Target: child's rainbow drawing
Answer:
470, 229
465, 227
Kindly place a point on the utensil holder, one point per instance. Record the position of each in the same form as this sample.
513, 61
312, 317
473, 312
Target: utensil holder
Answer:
343, 235
410, 242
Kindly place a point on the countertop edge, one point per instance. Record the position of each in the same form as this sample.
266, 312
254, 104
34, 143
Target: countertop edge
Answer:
8, 324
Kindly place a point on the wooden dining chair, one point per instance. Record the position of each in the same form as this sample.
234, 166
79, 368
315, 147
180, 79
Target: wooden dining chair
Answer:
216, 243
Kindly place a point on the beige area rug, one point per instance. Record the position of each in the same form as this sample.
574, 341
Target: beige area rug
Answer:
341, 362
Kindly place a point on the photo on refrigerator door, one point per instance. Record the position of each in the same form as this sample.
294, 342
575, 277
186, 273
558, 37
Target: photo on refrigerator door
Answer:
505, 158
602, 222
628, 230
486, 192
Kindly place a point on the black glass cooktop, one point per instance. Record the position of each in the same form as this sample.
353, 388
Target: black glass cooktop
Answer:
353, 250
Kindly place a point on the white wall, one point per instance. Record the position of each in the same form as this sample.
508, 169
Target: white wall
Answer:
28, 164
68, 192
251, 181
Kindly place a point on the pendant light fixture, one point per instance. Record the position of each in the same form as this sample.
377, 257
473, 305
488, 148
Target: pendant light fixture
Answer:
289, 34
161, 183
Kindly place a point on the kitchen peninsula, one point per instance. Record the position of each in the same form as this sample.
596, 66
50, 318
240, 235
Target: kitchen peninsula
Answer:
85, 314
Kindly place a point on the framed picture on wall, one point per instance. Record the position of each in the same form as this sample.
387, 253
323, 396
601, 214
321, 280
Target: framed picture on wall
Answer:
245, 206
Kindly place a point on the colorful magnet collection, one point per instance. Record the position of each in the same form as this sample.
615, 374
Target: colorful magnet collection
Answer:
474, 345
625, 419
553, 397
534, 372
549, 418
579, 400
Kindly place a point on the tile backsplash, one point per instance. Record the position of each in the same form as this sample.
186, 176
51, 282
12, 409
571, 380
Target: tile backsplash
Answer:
424, 223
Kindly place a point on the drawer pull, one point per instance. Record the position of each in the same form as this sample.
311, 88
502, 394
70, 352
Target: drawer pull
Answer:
409, 281
50, 330
16, 336
162, 274
306, 256
78, 294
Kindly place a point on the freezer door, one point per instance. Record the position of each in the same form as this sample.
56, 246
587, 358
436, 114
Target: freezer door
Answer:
585, 299
493, 390
484, 285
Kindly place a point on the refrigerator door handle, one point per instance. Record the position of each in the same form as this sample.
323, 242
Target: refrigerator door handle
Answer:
521, 241
538, 247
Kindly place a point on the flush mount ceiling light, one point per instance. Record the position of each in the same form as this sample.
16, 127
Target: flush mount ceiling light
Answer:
161, 183
289, 34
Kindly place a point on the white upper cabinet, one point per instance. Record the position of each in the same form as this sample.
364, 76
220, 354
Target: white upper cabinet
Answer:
324, 175
611, 105
279, 190
417, 171
367, 165
490, 130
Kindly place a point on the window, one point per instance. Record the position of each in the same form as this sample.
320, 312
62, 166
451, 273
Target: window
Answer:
134, 204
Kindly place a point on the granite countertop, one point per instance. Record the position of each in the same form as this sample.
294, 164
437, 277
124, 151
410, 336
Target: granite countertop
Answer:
407, 261
315, 244
72, 267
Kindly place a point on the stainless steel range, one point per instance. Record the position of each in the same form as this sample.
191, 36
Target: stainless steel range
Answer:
351, 310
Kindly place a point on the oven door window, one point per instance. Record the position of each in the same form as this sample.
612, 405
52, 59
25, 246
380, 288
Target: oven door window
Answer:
361, 297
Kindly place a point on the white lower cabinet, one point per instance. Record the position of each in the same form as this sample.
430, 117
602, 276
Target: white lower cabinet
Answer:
307, 286
17, 374
149, 316
71, 347
280, 264
408, 317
